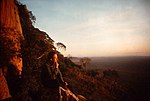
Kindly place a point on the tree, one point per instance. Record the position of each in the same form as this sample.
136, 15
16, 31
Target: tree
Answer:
32, 17
84, 61
61, 45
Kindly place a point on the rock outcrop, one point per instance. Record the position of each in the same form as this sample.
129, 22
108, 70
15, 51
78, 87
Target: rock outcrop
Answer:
34, 48
10, 43
10, 35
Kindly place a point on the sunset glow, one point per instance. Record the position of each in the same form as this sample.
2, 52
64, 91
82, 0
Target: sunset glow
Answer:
95, 27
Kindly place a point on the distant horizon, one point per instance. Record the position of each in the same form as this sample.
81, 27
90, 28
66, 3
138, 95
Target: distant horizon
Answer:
111, 56
95, 27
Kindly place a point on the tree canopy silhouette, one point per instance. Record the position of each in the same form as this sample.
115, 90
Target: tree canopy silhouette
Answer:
61, 45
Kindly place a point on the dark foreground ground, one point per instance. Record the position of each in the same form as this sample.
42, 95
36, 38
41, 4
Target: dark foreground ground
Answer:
134, 72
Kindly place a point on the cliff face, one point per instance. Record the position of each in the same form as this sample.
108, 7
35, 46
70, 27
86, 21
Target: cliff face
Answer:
34, 49
35, 44
10, 43
10, 34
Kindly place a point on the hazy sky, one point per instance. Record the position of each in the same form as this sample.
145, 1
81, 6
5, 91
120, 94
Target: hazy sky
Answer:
95, 27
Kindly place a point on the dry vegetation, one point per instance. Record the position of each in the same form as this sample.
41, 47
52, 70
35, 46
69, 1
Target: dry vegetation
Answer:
134, 73
95, 85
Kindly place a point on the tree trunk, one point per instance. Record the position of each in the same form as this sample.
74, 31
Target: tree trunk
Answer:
10, 38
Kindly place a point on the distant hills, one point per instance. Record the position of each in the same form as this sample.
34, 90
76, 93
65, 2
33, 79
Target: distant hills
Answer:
95, 85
